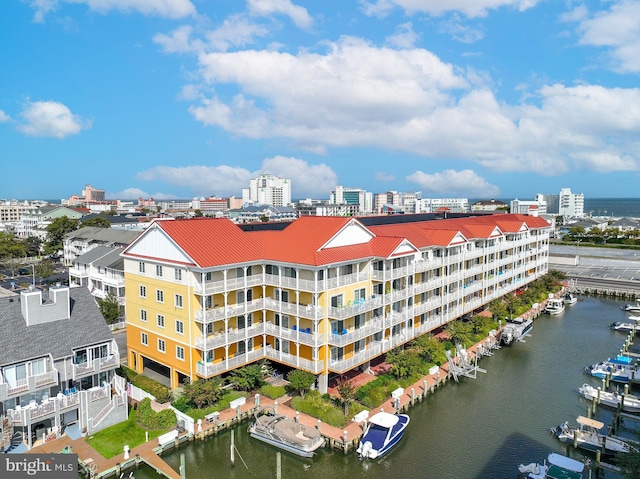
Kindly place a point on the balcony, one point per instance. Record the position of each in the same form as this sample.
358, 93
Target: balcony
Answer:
349, 336
352, 309
231, 335
209, 369
212, 287
300, 336
32, 412
295, 361
342, 366
29, 384
222, 312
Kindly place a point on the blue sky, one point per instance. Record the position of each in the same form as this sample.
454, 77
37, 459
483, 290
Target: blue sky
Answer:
454, 98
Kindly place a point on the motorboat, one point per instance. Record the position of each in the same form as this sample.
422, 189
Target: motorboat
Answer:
619, 369
283, 432
587, 436
383, 431
554, 306
631, 307
556, 466
515, 330
627, 402
625, 327
569, 298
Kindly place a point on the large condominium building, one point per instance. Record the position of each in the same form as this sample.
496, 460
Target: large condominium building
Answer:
268, 190
571, 205
359, 199
323, 294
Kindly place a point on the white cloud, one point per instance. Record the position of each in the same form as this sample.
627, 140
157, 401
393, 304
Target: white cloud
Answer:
384, 176
615, 29
460, 32
470, 8
404, 38
298, 15
306, 179
202, 180
4, 117
453, 183
135, 193
161, 8
50, 119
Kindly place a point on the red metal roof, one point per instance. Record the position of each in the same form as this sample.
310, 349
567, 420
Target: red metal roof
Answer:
217, 242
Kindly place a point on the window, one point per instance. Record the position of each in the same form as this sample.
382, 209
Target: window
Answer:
271, 269
143, 315
282, 295
141, 267
289, 272
143, 291
159, 296
180, 352
209, 302
207, 276
144, 339
337, 301
159, 270
162, 346
180, 327
346, 269
359, 294
160, 321
178, 300
359, 321
177, 274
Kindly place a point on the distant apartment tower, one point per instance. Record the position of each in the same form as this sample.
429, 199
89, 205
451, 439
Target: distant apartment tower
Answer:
268, 190
523, 207
432, 205
405, 202
352, 196
92, 194
570, 204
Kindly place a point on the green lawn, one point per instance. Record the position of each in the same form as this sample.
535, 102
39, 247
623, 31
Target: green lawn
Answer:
111, 441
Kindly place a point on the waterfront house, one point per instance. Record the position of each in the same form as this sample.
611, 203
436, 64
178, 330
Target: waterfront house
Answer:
57, 367
323, 294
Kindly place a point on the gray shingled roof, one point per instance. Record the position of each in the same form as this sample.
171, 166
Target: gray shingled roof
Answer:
111, 260
94, 254
19, 342
108, 235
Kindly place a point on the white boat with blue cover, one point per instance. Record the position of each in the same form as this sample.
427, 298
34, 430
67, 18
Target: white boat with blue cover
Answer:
620, 369
383, 431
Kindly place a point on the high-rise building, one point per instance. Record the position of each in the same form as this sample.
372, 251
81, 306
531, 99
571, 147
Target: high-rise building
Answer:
268, 190
323, 294
571, 205
353, 196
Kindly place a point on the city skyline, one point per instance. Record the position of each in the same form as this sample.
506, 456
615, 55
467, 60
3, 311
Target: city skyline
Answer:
179, 98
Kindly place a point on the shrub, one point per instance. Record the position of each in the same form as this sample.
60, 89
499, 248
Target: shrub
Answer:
315, 405
149, 419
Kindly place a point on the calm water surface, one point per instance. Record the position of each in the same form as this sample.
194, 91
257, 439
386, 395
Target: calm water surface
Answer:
476, 429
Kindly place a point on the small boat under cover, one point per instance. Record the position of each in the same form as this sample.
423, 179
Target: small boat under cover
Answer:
383, 431
556, 466
283, 432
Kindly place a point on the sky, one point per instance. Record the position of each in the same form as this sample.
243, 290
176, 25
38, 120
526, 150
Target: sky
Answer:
453, 98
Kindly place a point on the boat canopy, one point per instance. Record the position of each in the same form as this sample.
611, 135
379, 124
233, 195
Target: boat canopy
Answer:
384, 419
565, 462
585, 421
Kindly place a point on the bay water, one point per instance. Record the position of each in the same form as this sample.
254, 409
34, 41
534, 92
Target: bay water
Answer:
479, 428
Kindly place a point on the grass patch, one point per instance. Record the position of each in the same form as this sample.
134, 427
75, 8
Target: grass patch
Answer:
315, 405
223, 403
273, 392
111, 441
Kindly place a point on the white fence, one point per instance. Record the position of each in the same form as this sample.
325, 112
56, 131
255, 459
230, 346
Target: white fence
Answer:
120, 325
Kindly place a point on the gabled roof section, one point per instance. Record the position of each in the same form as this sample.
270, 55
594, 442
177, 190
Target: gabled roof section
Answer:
445, 237
350, 234
156, 243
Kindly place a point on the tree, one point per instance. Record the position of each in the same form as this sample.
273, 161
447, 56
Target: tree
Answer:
300, 380
12, 251
98, 222
197, 213
33, 246
203, 393
56, 232
347, 392
429, 348
247, 378
459, 332
110, 308
44, 269
403, 363
629, 462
